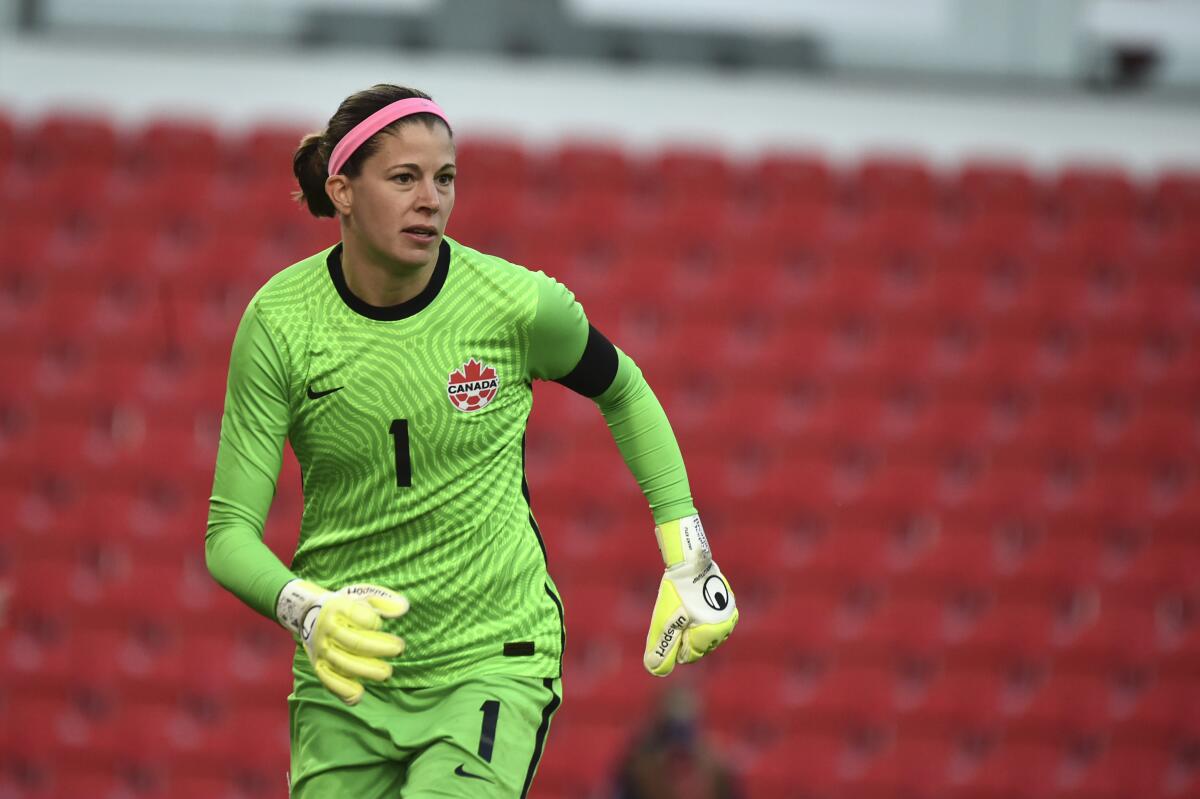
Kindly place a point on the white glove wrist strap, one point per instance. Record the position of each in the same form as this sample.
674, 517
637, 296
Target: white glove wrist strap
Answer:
682, 541
294, 602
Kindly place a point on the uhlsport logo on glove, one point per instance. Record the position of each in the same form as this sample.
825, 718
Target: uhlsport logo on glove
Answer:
668, 636
472, 386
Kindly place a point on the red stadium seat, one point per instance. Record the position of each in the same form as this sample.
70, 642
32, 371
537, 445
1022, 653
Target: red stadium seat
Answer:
962, 284
582, 218
812, 616
1119, 635
776, 492
1168, 562
897, 236
1066, 705
916, 766
66, 137
1016, 768
1090, 241
688, 170
66, 191
265, 213
485, 225
1176, 196
701, 220
957, 555
1082, 191
796, 234
169, 145
484, 162
69, 448
789, 179
748, 698
1013, 629
617, 687
263, 153
891, 181
848, 695
7, 143
804, 763
25, 251
987, 187
1133, 768
1003, 240
124, 325
603, 609
100, 782
908, 627
1013, 490
848, 554
950, 424
176, 198
995, 361
1167, 301
1168, 362
1164, 710
1057, 559
895, 492
582, 167
579, 758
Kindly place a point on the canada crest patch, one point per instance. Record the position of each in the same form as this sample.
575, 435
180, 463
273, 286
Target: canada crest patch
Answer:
472, 386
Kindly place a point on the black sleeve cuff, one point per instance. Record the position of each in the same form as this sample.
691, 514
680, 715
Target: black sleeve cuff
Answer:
597, 367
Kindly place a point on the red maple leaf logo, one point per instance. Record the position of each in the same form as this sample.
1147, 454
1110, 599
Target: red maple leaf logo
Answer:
471, 371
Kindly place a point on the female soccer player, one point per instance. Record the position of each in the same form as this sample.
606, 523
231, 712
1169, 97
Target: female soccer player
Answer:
399, 363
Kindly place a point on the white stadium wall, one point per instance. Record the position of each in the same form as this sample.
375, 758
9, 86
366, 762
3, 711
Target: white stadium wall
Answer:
644, 107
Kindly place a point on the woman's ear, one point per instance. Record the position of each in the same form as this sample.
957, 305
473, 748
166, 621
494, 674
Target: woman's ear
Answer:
340, 193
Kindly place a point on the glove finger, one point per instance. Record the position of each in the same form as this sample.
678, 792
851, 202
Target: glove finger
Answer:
352, 665
357, 614
372, 643
387, 603
701, 639
338, 684
666, 625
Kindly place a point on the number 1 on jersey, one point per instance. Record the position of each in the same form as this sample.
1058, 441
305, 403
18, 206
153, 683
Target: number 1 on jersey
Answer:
399, 431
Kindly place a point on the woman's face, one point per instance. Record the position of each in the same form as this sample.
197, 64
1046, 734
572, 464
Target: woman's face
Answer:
399, 204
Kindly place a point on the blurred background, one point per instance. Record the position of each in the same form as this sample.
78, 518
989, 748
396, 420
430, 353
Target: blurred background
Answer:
917, 283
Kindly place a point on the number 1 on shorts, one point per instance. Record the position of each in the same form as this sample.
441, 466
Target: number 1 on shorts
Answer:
487, 735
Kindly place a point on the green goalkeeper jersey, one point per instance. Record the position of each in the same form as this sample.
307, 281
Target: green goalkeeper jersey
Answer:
408, 423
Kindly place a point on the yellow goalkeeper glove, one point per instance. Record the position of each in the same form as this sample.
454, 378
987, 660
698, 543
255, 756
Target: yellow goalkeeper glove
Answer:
695, 610
340, 632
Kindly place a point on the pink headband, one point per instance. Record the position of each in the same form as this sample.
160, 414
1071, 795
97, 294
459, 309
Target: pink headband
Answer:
377, 122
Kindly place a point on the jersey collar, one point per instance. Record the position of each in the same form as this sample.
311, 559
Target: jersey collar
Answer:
389, 313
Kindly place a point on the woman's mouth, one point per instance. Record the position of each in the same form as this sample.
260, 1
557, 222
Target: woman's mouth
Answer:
421, 233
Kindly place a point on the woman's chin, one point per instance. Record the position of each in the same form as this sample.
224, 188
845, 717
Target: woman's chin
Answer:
418, 248
412, 256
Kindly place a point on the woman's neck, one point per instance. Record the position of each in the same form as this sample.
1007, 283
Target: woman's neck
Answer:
378, 281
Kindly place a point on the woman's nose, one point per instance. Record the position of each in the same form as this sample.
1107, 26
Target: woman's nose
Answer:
427, 195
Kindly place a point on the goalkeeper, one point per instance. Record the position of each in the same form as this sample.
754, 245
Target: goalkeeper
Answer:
399, 364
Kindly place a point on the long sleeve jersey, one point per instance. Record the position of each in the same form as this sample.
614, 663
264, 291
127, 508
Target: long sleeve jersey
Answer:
408, 422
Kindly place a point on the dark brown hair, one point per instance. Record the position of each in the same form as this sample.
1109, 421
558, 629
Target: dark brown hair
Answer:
310, 164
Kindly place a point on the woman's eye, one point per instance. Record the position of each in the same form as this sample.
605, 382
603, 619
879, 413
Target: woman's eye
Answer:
403, 177
445, 180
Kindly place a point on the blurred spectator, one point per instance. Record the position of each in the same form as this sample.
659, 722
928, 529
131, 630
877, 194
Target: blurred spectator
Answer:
670, 759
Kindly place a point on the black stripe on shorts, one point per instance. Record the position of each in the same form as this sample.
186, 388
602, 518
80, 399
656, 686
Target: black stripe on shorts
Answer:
540, 742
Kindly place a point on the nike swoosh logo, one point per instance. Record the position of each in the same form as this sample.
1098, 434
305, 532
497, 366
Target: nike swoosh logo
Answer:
318, 394
460, 771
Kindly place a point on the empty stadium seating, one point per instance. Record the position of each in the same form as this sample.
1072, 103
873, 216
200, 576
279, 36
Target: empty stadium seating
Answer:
943, 426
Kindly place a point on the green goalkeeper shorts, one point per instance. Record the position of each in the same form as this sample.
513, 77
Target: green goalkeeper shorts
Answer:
482, 737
